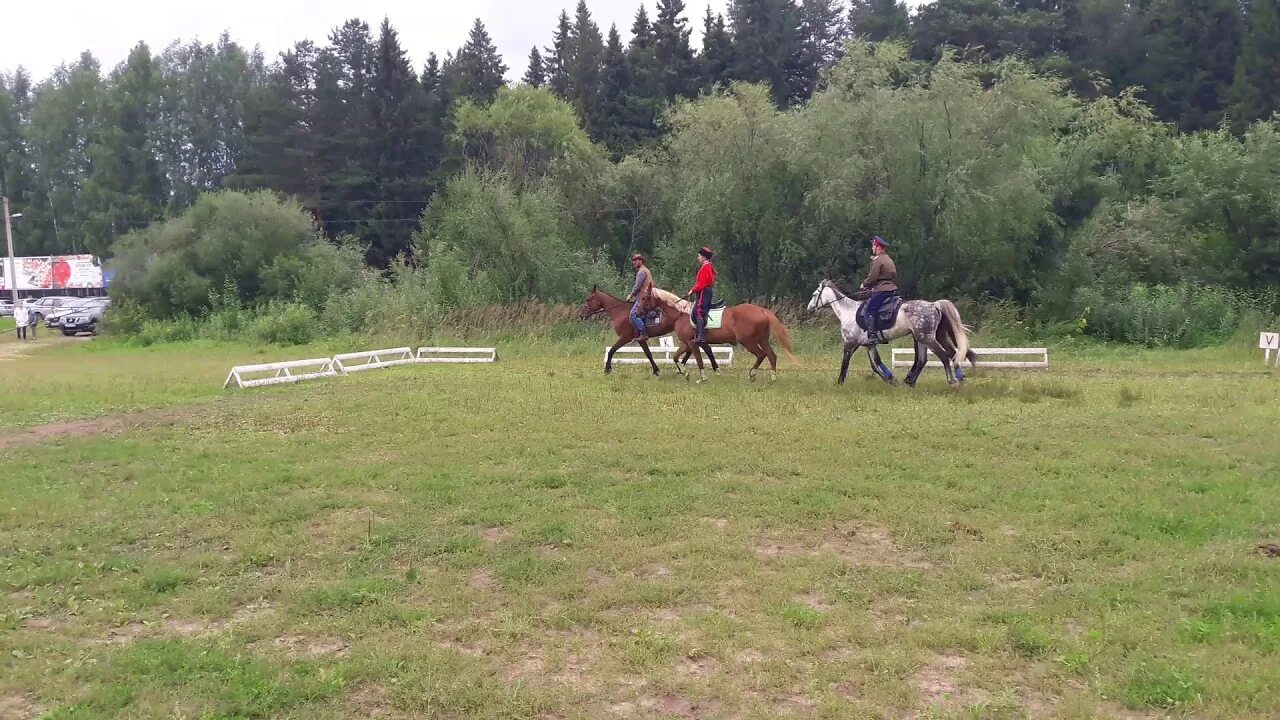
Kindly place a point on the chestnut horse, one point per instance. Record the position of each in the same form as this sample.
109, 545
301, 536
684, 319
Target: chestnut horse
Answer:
746, 325
619, 312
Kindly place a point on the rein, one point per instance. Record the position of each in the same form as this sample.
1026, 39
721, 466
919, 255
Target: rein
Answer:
660, 307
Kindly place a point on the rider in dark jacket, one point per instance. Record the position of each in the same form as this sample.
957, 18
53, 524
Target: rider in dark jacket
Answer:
882, 283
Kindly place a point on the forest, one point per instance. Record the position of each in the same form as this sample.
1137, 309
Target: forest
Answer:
1104, 166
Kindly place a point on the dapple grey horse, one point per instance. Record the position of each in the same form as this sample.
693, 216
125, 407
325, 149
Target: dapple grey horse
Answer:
933, 326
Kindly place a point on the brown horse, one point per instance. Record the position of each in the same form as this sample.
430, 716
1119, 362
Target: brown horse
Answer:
746, 325
619, 312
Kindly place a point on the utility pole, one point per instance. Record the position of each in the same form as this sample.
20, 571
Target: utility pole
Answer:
12, 280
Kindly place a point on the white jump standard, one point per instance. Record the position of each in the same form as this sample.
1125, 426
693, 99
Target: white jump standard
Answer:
281, 372
1033, 358
373, 359
663, 352
457, 355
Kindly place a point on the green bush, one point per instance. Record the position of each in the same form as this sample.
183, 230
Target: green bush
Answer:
253, 247
1180, 316
286, 324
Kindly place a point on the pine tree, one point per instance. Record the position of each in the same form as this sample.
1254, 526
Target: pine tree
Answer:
477, 69
821, 41
765, 39
279, 147
717, 50
878, 20
1192, 48
536, 75
17, 166
678, 72
618, 118
123, 187
347, 157
647, 96
1255, 95
404, 150
557, 56
584, 66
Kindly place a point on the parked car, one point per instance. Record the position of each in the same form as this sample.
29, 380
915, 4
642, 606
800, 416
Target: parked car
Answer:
6, 308
54, 319
39, 307
84, 319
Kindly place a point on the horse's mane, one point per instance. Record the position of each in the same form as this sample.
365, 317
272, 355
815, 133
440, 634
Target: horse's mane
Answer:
669, 298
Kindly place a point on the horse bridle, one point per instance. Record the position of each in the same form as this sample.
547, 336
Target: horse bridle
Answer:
827, 284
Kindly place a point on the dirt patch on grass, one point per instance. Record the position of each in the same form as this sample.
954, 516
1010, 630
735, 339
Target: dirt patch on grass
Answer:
571, 659
126, 633
107, 425
815, 601
190, 628
41, 624
795, 705
938, 684
316, 647
495, 535
698, 666
369, 701
861, 545
666, 706
481, 580
343, 528
19, 707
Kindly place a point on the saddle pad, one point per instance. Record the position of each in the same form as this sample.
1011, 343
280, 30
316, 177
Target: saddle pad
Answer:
714, 318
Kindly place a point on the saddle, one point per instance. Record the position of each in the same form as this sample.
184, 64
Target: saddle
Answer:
715, 316
884, 319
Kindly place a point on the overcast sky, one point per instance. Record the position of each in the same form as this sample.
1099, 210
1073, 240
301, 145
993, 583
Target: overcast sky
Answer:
40, 35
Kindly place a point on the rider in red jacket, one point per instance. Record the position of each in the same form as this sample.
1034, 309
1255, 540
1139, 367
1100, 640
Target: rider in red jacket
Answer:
701, 294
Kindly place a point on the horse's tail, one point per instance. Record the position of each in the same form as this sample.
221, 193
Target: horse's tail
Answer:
958, 331
784, 337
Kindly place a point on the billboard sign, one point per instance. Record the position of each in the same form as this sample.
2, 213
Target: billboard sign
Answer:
55, 272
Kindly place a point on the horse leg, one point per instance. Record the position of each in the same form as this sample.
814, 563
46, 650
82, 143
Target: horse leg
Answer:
760, 357
644, 345
849, 350
711, 357
773, 358
675, 359
879, 367
697, 355
608, 361
922, 357
933, 344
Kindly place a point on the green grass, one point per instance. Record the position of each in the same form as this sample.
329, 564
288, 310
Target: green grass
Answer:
533, 539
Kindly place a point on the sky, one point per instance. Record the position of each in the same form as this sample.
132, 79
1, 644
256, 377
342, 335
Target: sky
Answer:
41, 35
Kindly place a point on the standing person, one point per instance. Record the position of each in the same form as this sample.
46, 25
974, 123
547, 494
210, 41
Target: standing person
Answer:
20, 320
640, 294
701, 294
882, 283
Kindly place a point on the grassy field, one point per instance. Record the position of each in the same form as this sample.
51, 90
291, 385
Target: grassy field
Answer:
533, 539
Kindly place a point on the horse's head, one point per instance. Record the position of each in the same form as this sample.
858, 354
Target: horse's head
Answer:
592, 305
824, 296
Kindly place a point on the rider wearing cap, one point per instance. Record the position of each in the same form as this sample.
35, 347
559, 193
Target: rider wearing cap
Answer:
640, 294
882, 282
701, 294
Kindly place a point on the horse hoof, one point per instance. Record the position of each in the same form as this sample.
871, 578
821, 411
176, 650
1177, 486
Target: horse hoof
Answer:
773, 377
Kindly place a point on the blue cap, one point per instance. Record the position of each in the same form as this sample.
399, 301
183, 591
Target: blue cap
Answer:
879, 241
